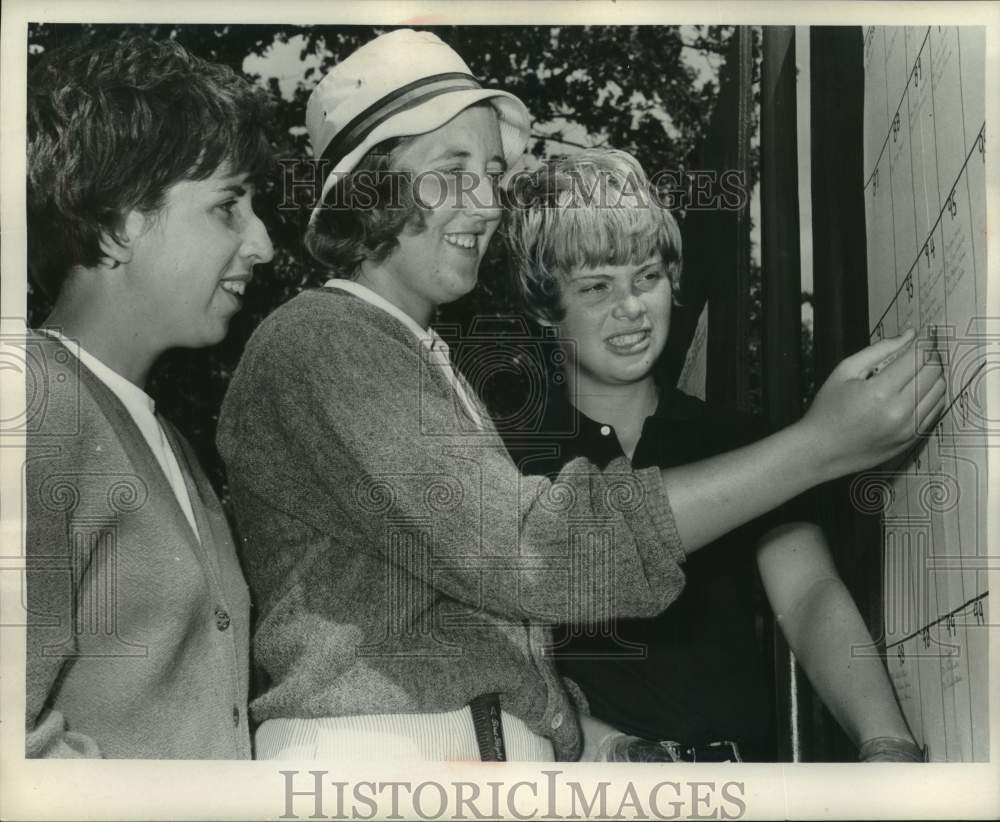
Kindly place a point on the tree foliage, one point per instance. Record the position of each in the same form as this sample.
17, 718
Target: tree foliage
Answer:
631, 87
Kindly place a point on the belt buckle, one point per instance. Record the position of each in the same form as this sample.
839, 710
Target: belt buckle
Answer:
715, 750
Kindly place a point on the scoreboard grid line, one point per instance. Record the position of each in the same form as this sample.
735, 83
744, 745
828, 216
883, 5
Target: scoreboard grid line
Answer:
938, 621
977, 144
899, 105
943, 696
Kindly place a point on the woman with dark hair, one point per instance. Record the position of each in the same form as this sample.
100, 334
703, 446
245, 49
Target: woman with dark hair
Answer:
404, 570
141, 168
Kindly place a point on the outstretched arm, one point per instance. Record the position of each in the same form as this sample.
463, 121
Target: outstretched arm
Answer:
822, 625
863, 415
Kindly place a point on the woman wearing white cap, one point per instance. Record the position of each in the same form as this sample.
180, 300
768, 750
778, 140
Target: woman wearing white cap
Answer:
402, 568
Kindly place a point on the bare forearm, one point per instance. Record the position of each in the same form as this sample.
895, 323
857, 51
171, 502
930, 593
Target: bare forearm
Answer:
865, 413
836, 652
712, 497
819, 618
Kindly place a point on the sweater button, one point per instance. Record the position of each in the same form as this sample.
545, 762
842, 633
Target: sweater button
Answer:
605, 430
557, 721
221, 618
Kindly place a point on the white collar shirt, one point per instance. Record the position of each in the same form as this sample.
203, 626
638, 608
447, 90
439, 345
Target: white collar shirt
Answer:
142, 409
435, 347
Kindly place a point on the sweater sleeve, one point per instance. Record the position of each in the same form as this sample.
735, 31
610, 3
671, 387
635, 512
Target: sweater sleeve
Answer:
352, 434
53, 575
49, 738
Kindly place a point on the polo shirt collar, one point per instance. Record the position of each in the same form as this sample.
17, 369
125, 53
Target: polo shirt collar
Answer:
673, 406
597, 440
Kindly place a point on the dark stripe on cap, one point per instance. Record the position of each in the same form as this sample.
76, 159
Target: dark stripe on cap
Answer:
406, 97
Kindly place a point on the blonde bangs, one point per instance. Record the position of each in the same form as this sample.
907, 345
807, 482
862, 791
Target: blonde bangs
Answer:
591, 209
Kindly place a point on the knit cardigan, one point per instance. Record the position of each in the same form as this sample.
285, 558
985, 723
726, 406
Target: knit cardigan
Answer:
138, 633
398, 559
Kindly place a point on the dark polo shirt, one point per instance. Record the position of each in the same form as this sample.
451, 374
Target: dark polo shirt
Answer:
695, 673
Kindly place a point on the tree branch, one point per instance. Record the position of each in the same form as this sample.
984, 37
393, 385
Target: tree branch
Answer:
721, 51
564, 141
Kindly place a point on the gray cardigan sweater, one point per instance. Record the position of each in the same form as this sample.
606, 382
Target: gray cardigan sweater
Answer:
138, 633
398, 560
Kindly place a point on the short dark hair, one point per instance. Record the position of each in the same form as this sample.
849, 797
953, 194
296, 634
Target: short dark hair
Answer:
364, 213
112, 127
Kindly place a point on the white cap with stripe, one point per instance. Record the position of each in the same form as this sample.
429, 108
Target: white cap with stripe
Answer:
400, 84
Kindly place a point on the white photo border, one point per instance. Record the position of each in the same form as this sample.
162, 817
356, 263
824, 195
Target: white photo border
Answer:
104, 790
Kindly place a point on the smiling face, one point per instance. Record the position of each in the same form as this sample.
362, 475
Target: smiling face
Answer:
192, 260
617, 318
453, 169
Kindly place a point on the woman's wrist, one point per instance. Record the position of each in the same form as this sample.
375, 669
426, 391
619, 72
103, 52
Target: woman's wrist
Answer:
808, 455
890, 749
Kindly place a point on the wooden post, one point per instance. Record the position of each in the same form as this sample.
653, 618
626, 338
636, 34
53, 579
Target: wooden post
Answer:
717, 246
840, 267
781, 297
728, 383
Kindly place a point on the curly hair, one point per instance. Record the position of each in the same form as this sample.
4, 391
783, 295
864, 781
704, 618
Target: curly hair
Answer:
364, 213
589, 209
111, 128
368, 208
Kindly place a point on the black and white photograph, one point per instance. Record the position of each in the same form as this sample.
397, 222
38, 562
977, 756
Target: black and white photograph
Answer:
537, 411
